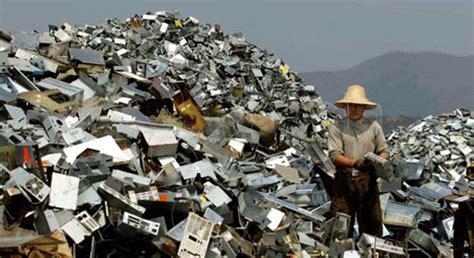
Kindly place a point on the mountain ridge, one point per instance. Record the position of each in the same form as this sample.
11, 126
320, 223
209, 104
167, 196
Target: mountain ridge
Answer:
410, 84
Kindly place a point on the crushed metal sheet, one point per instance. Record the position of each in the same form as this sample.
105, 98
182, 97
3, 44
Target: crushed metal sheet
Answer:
75, 230
43, 100
72, 92
204, 168
161, 142
87, 56
216, 195
105, 145
129, 177
275, 216
177, 232
290, 174
281, 160
304, 212
122, 201
213, 216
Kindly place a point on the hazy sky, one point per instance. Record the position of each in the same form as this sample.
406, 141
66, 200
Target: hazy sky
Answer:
308, 35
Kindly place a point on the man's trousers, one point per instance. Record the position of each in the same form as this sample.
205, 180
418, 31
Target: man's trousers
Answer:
358, 195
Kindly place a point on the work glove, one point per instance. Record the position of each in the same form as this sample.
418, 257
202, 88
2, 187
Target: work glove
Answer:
361, 164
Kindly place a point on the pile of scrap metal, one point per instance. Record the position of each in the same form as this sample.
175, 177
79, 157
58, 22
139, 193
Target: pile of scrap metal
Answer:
434, 162
161, 136
155, 136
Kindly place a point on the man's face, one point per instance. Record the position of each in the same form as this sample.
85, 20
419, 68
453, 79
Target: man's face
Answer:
355, 111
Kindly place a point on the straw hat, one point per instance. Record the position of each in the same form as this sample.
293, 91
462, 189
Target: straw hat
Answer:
355, 94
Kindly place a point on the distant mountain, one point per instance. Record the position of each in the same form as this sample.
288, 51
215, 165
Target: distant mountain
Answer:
409, 84
390, 123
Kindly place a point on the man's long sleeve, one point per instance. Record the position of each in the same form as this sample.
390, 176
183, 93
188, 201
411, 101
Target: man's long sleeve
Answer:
334, 143
380, 143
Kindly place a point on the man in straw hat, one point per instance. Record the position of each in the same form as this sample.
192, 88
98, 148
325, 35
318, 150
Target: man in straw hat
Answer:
350, 138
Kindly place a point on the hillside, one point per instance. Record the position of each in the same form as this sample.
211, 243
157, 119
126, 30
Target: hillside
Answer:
409, 84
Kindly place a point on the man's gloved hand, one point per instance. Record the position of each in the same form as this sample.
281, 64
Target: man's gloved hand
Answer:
361, 164
384, 155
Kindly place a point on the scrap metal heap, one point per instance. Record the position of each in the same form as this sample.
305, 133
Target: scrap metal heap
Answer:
161, 136
442, 145
434, 165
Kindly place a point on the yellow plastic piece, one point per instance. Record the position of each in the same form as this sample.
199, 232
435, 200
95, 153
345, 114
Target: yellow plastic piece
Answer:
327, 123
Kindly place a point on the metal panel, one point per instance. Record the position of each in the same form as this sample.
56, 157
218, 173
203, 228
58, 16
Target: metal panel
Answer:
129, 177
122, 201
87, 56
379, 244
196, 237
317, 218
64, 191
72, 92
161, 142
204, 168
400, 214
141, 224
383, 168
